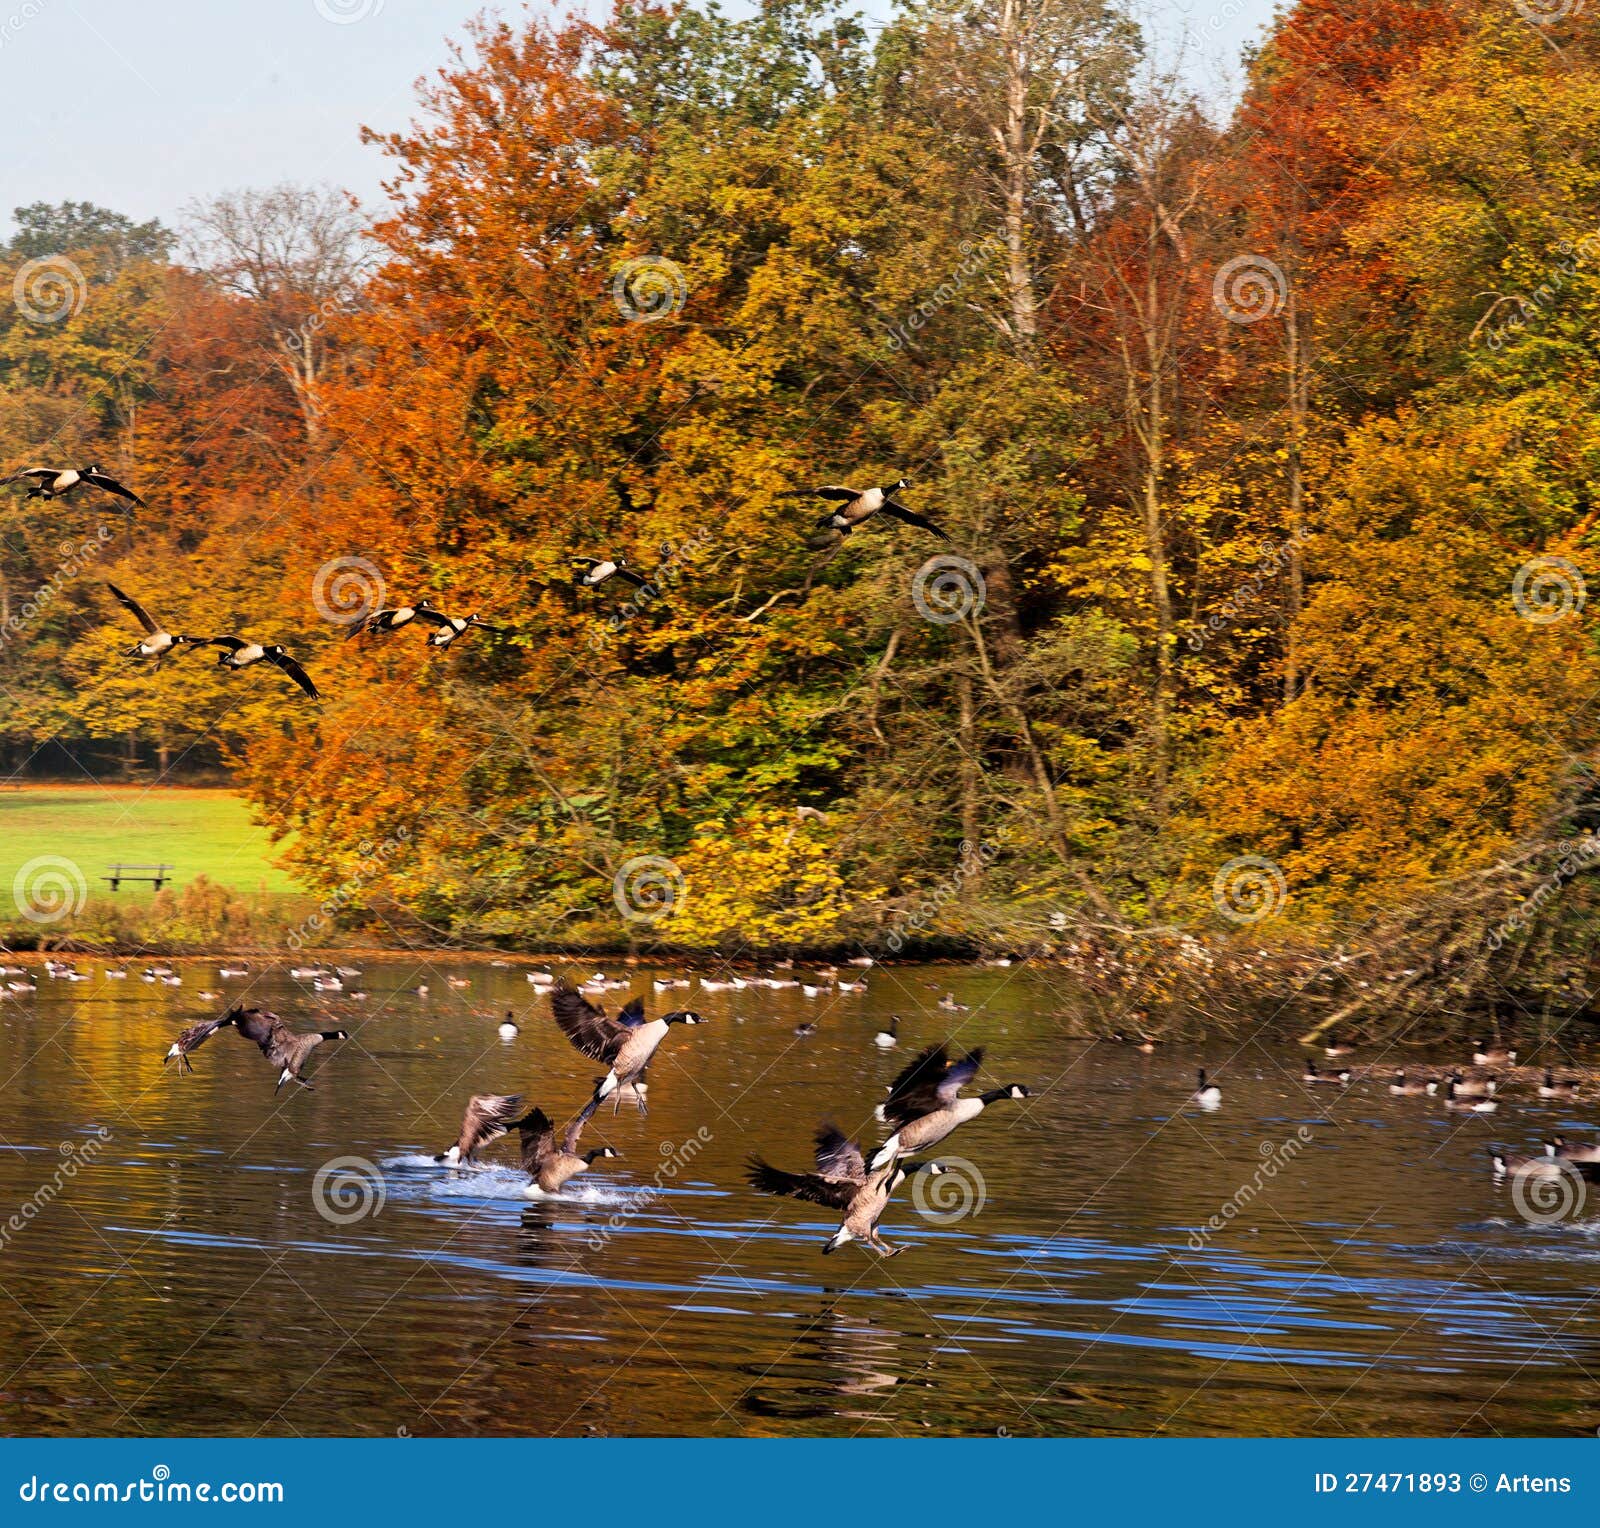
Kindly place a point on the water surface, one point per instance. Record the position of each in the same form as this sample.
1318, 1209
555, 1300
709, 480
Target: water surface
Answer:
191, 1274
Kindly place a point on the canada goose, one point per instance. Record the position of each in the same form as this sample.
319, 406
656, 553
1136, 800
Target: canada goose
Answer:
158, 641
508, 1026
806, 990
285, 1048
1336, 1079
240, 654
804, 1030
950, 1005
1333, 1049
1494, 1055
1568, 1153
1550, 1088
1546, 1166
861, 960
856, 507
450, 627
1473, 1087
841, 1182
488, 1117
59, 482
114, 974
887, 1039
392, 618
626, 1043
1403, 1089
860, 986
1462, 1104
541, 979
233, 973
925, 1105
460, 983
551, 1166
1207, 1094
600, 569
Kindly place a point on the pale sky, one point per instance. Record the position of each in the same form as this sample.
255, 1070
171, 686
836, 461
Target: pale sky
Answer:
143, 105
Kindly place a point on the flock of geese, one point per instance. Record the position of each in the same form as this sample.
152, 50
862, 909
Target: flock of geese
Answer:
923, 1106
851, 509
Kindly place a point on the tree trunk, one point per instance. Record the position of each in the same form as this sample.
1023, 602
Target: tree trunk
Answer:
971, 806
1299, 399
1016, 163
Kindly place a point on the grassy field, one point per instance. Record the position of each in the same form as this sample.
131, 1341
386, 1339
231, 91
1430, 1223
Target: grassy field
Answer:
197, 832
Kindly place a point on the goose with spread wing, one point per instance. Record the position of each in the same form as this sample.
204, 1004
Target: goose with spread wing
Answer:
841, 1182
287, 1049
625, 1043
599, 570
925, 1104
489, 1116
240, 654
393, 617
59, 482
158, 641
858, 505
551, 1165
447, 628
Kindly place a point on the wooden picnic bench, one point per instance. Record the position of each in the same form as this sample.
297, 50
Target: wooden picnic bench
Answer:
156, 875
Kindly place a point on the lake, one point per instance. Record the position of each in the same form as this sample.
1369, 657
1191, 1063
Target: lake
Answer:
175, 1264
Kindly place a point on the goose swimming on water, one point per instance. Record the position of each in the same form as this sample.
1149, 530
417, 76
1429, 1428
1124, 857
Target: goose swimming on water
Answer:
549, 1165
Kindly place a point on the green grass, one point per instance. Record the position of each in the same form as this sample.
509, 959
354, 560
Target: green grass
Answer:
197, 832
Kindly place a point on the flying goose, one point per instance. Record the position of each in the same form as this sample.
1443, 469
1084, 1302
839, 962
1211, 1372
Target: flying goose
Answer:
855, 507
551, 1166
887, 1039
393, 617
600, 569
925, 1105
1550, 1088
841, 1182
450, 627
285, 1048
488, 1117
240, 654
1207, 1094
158, 640
625, 1043
1494, 1055
58, 482
1460, 1103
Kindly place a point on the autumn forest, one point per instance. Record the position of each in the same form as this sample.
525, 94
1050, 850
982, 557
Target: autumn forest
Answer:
1266, 448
